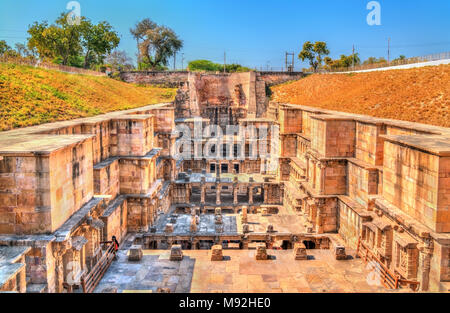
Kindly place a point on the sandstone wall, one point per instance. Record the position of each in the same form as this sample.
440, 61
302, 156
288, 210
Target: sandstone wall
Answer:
290, 121
116, 220
136, 175
362, 182
132, 135
334, 179
71, 181
106, 178
277, 78
369, 144
167, 79
411, 182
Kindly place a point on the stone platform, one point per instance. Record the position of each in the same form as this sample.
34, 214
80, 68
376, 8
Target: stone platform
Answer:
239, 273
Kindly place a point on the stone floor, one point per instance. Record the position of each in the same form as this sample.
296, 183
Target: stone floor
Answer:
239, 273
284, 222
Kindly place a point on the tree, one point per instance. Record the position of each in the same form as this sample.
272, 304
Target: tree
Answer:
119, 60
159, 43
139, 32
204, 65
4, 47
400, 59
374, 60
314, 53
60, 40
24, 52
80, 44
97, 41
350, 60
208, 66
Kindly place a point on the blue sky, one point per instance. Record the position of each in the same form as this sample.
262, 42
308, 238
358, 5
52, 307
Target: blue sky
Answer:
257, 33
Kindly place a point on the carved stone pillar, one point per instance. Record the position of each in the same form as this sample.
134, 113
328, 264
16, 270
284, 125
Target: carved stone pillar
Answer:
58, 250
425, 255
194, 244
313, 214
313, 174
218, 190
188, 194
266, 194
173, 170
250, 194
235, 194
244, 215
144, 215
319, 218
322, 168
307, 168
203, 194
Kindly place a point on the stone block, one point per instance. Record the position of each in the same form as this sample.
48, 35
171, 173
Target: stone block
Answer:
219, 228
244, 215
193, 227
300, 252
176, 253
261, 252
135, 253
169, 228
217, 253
109, 290
339, 252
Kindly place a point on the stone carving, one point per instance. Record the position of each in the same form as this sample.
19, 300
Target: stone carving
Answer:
261, 252
135, 253
169, 228
244, 217
193, 226
219, 220
176, 253
300, 252
339, 252
217, 253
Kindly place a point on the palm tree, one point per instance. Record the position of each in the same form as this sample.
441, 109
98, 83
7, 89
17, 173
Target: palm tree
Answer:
156, 43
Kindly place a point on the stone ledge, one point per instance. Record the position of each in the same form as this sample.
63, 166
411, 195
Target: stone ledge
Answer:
438, 145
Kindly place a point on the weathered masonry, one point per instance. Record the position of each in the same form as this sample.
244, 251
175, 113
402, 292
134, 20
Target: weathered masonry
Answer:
382, 185
375, 186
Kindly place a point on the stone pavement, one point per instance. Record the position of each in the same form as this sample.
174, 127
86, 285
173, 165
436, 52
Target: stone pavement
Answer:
238, 273
153, 272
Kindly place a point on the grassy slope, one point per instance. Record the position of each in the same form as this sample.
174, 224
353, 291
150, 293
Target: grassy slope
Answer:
32, 96
417, 95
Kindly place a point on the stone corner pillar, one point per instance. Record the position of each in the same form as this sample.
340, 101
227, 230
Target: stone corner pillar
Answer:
235, 194
218, 190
